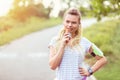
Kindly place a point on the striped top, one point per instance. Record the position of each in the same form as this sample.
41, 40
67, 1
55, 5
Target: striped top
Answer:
72, 59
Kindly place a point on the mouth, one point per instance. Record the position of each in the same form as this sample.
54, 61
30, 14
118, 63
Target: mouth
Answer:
69, 29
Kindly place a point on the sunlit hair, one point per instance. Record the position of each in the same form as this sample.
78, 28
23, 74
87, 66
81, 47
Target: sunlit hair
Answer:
75, 41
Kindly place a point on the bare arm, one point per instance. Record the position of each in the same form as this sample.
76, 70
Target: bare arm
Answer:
101, 60
56, 56
99, 63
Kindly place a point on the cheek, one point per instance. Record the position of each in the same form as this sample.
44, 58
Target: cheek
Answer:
76, 28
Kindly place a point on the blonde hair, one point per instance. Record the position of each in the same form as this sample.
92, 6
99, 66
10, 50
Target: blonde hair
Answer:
75, 41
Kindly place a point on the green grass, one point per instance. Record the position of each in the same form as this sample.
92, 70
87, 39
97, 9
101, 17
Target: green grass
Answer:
17, 29
106, 36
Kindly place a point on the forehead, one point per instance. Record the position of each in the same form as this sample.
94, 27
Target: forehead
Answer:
71, 17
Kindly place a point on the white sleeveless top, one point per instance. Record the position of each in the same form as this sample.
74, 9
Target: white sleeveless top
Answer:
72, 60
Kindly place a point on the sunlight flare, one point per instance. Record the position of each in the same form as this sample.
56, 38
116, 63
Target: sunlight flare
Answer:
5, 6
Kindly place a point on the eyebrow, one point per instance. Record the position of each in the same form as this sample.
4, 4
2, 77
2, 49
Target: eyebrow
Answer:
71, 21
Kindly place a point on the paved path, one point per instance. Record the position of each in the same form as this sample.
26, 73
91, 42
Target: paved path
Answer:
27, 58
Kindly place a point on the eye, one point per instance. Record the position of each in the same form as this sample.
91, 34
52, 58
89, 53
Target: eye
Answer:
74, 22
67, 21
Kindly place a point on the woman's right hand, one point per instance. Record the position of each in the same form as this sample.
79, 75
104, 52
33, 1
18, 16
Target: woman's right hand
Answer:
66, 38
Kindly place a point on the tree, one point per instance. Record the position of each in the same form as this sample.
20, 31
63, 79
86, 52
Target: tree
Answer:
104, 7
23, 9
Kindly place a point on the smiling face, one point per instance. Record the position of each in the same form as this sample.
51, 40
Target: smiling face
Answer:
71, 23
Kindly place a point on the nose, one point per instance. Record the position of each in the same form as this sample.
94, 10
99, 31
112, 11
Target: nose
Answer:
70, 25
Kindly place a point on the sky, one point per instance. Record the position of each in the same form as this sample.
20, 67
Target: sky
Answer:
5, 5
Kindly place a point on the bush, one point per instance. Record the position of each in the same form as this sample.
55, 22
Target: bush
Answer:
102, 35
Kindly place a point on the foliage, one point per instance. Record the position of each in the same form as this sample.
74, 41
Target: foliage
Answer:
104, 7
86, 12
24, 11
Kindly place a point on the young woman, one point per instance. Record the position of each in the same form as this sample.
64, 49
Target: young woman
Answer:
68, 50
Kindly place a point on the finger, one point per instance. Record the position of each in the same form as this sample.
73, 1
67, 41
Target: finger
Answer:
80, 68
81, 71
69, 35
66, 34
82, 74
67, 38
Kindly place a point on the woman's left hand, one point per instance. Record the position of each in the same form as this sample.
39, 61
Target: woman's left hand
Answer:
83, 72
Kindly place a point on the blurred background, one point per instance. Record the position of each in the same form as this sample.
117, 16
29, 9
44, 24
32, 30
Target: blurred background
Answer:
26, 27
